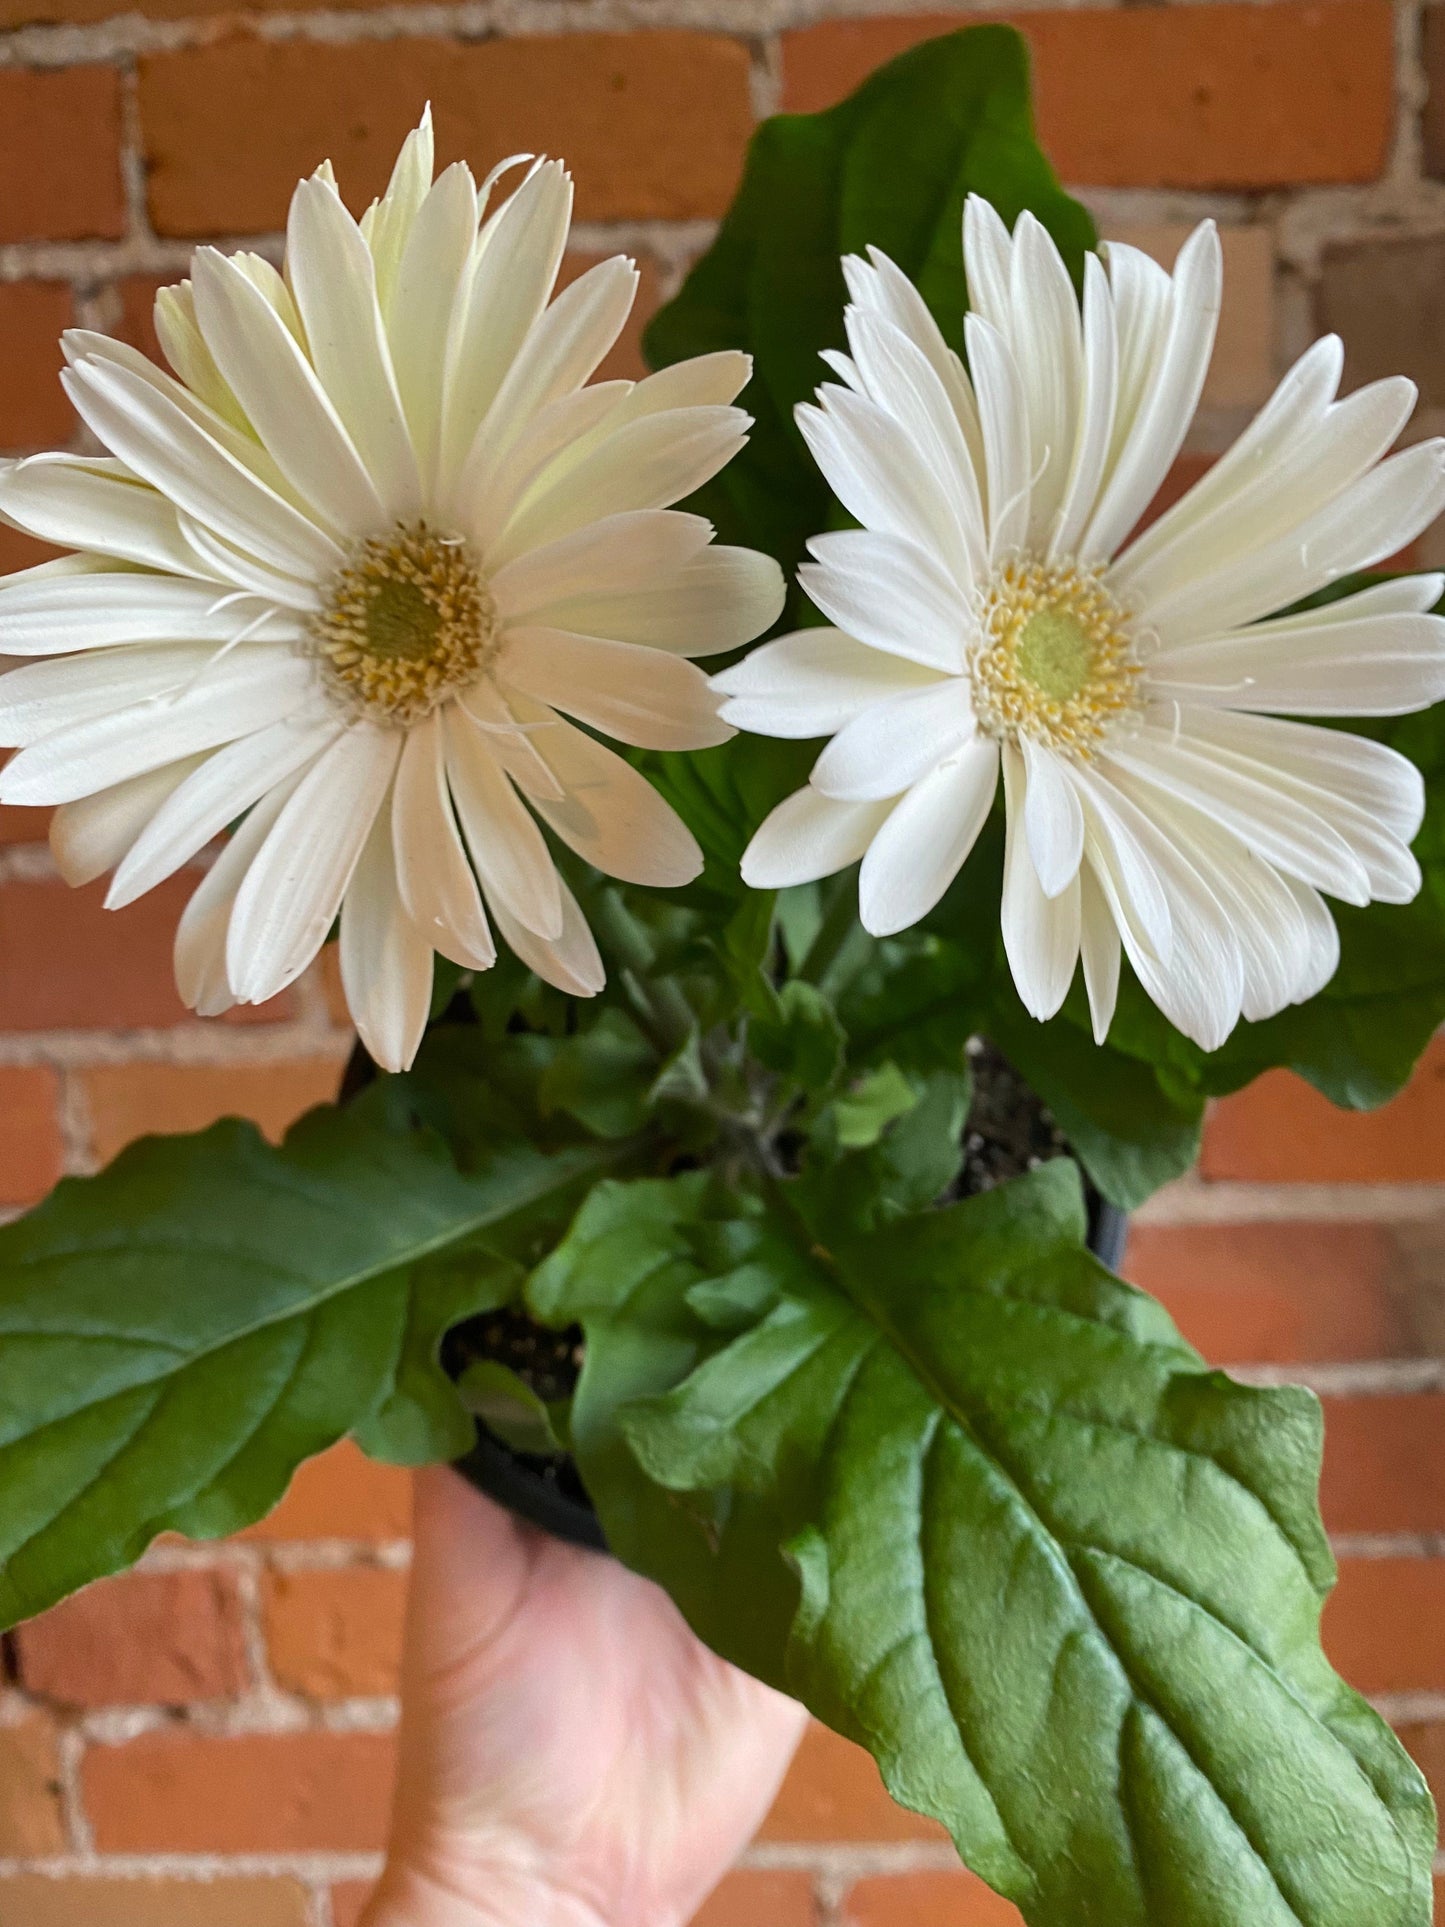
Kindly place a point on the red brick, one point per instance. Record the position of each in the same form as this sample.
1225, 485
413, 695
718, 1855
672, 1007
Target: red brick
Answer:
335, 1635
32, 1823
53, 940
175, 1792
1281, 1130
60, 154
927, 1900
30, 1147
33, 410
34, 1900
757, 1899
653, 125
1384, 1626
1425, 1743
137, 325
127, 1101
347, 1901
20, 551
1281, 1293
1385, 1463
833, 1792
342, 1495
146, 1638
1199, 96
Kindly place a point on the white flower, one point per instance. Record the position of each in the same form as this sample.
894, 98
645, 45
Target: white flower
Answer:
340, 577
986, 619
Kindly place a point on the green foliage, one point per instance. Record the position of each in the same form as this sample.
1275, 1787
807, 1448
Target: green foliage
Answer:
924, 1463
1064, 1582
179, 1332
890, 167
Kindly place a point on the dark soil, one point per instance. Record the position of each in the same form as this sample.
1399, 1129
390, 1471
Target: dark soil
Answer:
1008, 1132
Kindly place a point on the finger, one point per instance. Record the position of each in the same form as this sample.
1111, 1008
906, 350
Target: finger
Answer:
470, 1565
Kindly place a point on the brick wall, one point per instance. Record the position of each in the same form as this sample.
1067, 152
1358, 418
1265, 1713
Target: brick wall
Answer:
207, 1743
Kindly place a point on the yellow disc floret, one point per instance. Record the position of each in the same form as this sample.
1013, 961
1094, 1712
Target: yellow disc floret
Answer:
1056, 661
407, 620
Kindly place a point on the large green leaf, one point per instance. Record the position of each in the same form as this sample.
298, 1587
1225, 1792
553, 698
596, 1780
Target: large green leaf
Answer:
179, 1332
889, 167
1065, 1582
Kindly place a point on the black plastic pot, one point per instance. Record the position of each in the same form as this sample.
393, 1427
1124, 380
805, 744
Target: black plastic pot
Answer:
549, 1493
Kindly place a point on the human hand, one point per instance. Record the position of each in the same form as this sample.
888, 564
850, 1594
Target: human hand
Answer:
571, 1755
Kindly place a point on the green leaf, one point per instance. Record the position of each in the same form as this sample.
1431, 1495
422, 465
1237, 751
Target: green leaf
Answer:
889, 167
802, 1040
863, 1113
178, 1333
602, 1076
624, 1272
1065, 1582
507, 1406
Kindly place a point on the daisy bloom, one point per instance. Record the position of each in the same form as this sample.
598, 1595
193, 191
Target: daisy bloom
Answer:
993, 617
341, 580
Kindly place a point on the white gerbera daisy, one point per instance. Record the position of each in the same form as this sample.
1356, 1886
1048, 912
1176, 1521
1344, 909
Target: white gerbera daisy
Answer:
987, 619
339, 579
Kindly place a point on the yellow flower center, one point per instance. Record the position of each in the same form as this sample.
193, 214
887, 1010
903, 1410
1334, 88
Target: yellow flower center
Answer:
1056, 661
407, 620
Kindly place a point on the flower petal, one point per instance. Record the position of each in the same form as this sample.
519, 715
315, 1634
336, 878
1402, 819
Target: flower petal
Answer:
1377, 666
386, 962
612, 816
294, 886
102, 610
1100, 950
333, 277
1053, 818
509, 851
719, 600
920, 848
571, 962
887, 748
91, 503
436, 883
892, 595
280, 392
633, 694
807, 836
1040, 933
248, 690
618, 555
221, 788
92, 834
813, 682
200, 946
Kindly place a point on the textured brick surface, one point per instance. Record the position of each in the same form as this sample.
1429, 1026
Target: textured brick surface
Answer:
1426, 1744
833, 1792
927, 1900
1289, 1293
347, 1901
126, 1101
1385, 298
258, 1793
1281, 1129
341, 1495
1198, 96
1384, 1470
145, 1637
34, 1901
331, 1635
67, 963
32, 1823
760, 1900
33, 410
30, 1146
1385, 1625
60, 154
652, 125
